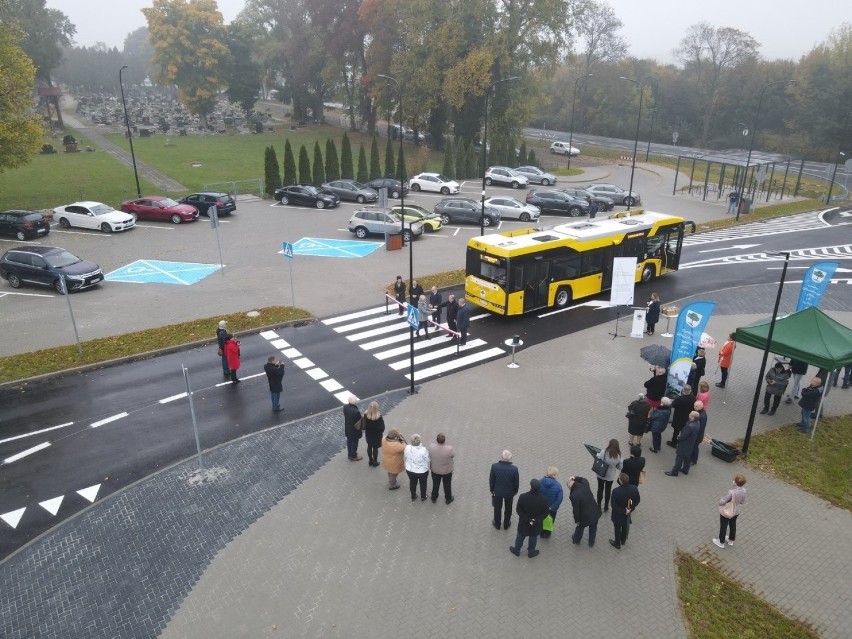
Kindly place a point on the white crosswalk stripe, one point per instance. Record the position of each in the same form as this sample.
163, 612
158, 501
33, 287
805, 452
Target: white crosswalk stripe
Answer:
385, 335
777, 226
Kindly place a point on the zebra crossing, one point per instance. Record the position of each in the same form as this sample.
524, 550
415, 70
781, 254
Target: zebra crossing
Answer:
776, 226
385, 335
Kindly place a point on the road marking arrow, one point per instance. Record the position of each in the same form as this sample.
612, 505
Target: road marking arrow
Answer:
728, 248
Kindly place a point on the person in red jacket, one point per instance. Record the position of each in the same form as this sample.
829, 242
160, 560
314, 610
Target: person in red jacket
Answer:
232, 354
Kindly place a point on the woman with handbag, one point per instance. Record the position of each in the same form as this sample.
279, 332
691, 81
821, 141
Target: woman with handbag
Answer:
552, 489
374, 426
729, 510
611, 457
637, 419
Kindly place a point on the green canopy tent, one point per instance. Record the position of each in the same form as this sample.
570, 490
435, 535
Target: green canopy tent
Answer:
809, 336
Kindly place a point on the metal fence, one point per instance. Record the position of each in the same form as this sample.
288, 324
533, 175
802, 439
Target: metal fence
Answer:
238, 187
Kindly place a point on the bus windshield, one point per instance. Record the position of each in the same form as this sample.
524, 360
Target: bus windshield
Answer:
487, 267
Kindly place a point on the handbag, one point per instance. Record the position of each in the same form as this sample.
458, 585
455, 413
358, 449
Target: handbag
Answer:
547, 524
599, 467
359, 425
220, 352
729, 509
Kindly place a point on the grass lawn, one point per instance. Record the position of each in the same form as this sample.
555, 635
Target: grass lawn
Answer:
821, 467
716, 607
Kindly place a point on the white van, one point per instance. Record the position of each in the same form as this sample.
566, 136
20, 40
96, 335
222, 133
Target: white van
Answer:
563, 148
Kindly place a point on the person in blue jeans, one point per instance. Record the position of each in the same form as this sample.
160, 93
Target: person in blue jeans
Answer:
847, 376
532, 509
222, 337
274, 375
585, 508
809, 402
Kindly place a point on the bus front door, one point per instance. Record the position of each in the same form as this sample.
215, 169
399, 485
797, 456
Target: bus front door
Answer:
674, 245
535, 282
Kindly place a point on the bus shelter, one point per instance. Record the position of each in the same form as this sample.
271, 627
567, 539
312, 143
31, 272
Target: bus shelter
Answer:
765, 175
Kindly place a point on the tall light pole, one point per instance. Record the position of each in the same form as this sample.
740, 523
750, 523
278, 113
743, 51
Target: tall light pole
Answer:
129, 134
402, 228
485, 151
833, 175
636, 143
766, 350
655, 93
753, 135
574, 104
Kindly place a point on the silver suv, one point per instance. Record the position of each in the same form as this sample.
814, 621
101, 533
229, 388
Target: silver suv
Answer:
376, 222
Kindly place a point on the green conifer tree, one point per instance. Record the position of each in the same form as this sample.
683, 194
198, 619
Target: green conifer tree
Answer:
522, 156
346, 169
401, 170
390, 163
271, 171
305, 176
289, 165
461, 163
363, 174
332, 163
319, 167
448, 168
375, 160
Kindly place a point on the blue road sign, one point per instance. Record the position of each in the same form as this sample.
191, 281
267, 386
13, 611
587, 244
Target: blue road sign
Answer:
320, 247
413, 317
288, 250
160, 272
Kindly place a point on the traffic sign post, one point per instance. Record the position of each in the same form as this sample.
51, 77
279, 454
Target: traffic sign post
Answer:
288, 253
64, 291
213, 214
413, 317
192, 414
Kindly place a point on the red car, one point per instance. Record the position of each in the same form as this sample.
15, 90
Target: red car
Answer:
161, 209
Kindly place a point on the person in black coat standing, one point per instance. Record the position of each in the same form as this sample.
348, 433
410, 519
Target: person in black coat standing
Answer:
533, 507
463, 320
351, 418
416, 292
625, 500
504, 482
585, 507
452, 311
682, 406
274, 375
685, 445
399, 289
436, 301
699, 366
652, 315
634, 465
655, 388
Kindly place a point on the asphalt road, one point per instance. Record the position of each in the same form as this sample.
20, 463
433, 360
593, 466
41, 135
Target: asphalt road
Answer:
110, 427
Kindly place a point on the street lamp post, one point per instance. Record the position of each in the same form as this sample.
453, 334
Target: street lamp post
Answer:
402, 228
485, 151
833, 175
766, 350
655, 93
573, 105
636, 142
129, 134
753, 135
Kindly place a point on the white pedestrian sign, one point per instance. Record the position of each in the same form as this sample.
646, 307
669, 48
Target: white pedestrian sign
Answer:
413, 317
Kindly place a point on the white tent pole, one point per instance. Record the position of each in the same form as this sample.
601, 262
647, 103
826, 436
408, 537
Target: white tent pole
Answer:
819, 408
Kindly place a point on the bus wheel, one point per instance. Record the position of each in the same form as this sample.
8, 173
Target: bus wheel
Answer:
563, 298
648, 273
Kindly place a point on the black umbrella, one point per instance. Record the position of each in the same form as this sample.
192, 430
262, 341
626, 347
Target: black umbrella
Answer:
656, 354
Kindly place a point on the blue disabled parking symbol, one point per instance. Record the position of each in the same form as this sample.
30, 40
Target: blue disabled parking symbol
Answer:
160, 272
321, 247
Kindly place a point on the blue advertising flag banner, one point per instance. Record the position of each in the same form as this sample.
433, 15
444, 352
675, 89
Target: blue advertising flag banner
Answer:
814, 283
690, 325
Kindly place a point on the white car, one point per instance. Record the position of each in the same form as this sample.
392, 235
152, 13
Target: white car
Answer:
563, 148
93, 215
434, 182
512, 209
506, 176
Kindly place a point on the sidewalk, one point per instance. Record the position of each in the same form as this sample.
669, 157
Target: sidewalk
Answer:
289, 539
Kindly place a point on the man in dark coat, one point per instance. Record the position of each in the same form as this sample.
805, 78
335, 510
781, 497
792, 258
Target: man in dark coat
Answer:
399, 289
351, 417
702, 426
685, 444
625, 499
699, 365
274, 375
503, 482
682, 406
452, 310
463, 320
585, 507
416, 292
533, 507
809, 402
436, 301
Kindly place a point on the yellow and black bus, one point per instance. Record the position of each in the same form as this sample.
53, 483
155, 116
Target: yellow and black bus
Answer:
529, 269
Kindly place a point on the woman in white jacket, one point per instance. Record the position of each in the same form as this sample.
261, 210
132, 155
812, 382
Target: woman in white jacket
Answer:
416, 459
729, 510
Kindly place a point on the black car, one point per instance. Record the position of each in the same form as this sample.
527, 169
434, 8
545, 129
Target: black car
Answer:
224, 203
462, 209
604, 203
46, 266
394, 186
307, 195
23, 224
558, 202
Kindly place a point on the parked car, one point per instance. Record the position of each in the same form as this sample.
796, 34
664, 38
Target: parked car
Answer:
506, 176
93, 215
563, 148
510, 208
306, 195
366, 222
616, 193
414, 213
394, 186
320, 189
161, 209
604, 203
535, 175
224, 203
434, 182
352, 191
23, 225
557, 202
46, 266
462, 209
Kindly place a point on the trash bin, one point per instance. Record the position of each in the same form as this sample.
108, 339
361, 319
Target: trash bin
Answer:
745, 206
394, 242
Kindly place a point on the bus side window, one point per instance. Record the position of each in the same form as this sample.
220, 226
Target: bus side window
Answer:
566, 268
517, 279
592, 262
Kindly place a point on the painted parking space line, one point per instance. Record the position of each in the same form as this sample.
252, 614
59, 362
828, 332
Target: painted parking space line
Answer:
322, 247
5, 293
